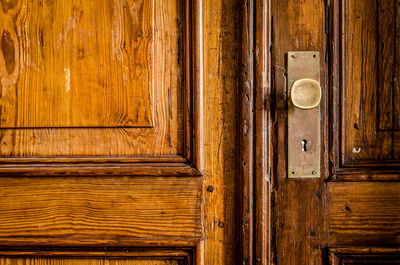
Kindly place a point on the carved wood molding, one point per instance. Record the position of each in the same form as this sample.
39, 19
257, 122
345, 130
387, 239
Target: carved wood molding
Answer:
254, 134
187, 255
342, 256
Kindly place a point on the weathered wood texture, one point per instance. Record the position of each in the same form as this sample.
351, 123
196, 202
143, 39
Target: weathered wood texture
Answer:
364, 214
308, 218
369, 73
254, 123
221, 27
246, 133
93, 64
101, 208
262, 134
298, 205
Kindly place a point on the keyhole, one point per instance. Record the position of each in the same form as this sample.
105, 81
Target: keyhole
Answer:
304, 145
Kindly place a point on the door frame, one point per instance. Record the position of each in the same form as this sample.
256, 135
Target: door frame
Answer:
254, 131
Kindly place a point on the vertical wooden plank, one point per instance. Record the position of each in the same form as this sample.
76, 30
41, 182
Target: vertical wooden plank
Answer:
298, 205
221, 57
262, 125
246, 134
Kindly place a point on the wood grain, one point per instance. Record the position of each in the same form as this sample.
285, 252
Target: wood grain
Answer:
364, 214
99, 222
102, 207
386, 55
262, 134
246, 125
77, 64
167, 136
221, 27
297, 222
369, 84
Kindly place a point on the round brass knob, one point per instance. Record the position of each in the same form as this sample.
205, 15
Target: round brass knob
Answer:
305, 93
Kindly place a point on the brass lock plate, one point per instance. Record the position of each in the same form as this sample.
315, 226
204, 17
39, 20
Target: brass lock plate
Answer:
304, 147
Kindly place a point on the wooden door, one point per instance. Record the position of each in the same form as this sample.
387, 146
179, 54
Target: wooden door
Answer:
102, 105
101, 132
351, 214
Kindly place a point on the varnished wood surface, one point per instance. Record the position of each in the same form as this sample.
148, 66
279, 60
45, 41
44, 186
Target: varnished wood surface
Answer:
370, 89
359, 210
221, 25
262, 125
385, 15
177, 132
78, 64
99, 169
103, 207
364, 214
373, 256
218, 34
297, 204
164, 86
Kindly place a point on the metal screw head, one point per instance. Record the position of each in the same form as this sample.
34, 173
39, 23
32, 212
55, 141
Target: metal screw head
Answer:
314, 172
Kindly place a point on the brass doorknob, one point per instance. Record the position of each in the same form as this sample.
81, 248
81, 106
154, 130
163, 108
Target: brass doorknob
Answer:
305, 93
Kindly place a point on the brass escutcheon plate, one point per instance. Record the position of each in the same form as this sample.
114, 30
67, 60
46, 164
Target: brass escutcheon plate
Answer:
304, 96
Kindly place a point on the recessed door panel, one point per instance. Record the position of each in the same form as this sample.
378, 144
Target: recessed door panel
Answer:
370, 87
77, 63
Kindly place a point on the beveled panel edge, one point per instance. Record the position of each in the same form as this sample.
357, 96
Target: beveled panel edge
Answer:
188, 250
339, 166
99, 169
94, 159
187, 254
194, 80
83, 166
191, 249
337, 256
